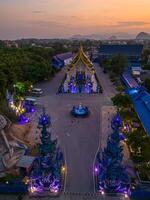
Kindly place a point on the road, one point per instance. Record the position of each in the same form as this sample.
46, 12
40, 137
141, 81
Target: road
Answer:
78, 137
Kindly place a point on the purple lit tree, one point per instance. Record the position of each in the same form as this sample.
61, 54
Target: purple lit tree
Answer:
112, 175
46, 173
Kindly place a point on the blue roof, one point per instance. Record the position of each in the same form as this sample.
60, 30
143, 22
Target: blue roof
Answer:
129, 80
141, 102
140, 98
63, 56
58, 60
129, 50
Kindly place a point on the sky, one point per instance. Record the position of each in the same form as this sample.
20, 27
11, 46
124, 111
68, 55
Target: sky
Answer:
64, 18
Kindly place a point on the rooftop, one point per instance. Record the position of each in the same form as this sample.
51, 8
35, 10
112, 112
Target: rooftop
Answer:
129, 50
141, 102
64, 56
129, 80
81, 57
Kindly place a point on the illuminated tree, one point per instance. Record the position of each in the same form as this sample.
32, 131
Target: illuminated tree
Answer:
46, 172
112, 175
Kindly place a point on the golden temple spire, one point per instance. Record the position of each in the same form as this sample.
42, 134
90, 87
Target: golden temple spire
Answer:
81, 56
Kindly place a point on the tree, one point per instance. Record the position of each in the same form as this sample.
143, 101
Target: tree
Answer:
147, 84
120, 88
145, 55
17, 65
118, 64
112, 175
46, 173
121, 101
106, 64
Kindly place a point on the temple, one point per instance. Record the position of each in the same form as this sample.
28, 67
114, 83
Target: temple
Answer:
80, 76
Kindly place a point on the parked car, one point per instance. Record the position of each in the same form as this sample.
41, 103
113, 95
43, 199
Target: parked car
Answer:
37, 91
30, 101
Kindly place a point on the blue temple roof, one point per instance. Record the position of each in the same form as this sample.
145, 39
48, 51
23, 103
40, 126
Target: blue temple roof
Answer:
141, 102
63, 56
129, 50
59, 59
140, 98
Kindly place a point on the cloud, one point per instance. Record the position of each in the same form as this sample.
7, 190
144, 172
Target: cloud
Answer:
132, 23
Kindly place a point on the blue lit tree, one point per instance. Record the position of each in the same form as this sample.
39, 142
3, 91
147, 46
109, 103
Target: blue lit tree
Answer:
47, 146
112, 175
44, 120
46, 173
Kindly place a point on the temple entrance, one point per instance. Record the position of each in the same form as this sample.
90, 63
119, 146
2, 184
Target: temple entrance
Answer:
80, 76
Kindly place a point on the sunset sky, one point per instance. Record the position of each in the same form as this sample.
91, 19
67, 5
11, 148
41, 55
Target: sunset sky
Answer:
64, 18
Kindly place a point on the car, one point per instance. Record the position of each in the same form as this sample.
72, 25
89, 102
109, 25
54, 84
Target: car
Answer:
37, 91
30, 101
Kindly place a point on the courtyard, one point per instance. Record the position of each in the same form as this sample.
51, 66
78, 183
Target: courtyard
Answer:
79, 138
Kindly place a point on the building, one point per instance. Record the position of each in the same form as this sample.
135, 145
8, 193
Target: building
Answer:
61, 60
136, 71
140, 99
141, 102
80, 75
11, 44
132, 51
129, 81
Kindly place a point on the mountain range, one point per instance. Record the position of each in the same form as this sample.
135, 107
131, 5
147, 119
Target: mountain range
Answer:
143, 36
114, 36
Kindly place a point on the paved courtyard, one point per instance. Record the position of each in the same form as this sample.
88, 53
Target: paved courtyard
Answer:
79, 138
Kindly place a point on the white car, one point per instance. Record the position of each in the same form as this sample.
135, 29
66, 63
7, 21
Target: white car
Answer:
37, 91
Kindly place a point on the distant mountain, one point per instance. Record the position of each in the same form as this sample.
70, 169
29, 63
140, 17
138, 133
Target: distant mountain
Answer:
143, 36
85, 37
104, 36
113, 37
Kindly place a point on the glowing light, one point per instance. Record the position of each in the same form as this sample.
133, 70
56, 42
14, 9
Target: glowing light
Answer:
18, 109
96, 169
126, 196
55, 191
63, 169
32, 189
102, 192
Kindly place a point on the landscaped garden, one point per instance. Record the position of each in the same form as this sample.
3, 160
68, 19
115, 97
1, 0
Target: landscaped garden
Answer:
136, 137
